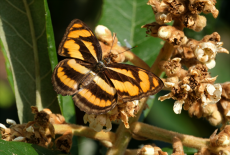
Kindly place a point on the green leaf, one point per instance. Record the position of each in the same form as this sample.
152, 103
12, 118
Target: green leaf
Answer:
23, 34
65, 102
125, 18
8, 68
21, 148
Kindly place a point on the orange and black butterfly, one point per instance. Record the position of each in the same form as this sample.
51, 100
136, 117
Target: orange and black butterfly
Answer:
95, 83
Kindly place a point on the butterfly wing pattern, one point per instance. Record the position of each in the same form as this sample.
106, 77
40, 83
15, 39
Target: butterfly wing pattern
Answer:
94, 85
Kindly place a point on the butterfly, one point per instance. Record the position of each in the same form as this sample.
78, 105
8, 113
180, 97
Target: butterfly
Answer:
96, 84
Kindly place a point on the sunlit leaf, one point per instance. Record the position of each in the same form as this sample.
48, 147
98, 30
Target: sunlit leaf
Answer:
23, 35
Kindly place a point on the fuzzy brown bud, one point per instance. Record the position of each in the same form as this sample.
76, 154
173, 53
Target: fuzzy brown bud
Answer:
172, 35
194, 21
64, 143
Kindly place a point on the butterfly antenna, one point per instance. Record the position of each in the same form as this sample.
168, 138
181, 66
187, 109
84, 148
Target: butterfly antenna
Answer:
114, 36
128, 49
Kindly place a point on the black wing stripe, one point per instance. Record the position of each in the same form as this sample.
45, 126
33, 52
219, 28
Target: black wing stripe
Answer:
77, 30
68, 74
143, 84
93, 99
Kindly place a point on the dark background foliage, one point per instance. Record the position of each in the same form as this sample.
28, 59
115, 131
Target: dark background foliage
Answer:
161, 114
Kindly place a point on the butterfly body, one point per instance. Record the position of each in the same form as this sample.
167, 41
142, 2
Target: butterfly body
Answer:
95, 83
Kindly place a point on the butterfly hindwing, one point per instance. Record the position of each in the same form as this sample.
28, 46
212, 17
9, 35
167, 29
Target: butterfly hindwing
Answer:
96, 97
131, 82
68, 74
80, 42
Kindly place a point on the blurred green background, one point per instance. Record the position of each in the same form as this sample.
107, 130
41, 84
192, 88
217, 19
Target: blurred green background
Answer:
161, 114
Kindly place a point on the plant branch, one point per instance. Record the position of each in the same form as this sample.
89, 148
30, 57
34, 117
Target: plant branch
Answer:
83, 131
156, 133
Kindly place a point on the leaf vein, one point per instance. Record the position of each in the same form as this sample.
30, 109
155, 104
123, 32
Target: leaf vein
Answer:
133, 22
143, 20
122, 12
17, 33
25, 98
51, 102
39, 36
46, 74
142, 40
31, 2
15, 7
24, 67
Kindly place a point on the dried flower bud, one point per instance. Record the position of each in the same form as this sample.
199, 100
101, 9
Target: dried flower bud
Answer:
2, 126
214, 38
194, 21
214, 94
19, 139
221, 139
178, 106
146, 150
151, 150
30, 129
172, 68
162, 17
97, 122
172, 35
226, 90
152, 28
11, 122
104, 34
205, 6
64, 143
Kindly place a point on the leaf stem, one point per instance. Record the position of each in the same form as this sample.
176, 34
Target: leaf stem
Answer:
36, 59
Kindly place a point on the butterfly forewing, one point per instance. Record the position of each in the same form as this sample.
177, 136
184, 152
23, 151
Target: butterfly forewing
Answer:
131, 82
80, 42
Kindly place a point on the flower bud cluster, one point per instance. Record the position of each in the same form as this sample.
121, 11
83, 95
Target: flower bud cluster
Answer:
203, 51
121, 112
194, 88
40, 131
191, 51
187, 12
